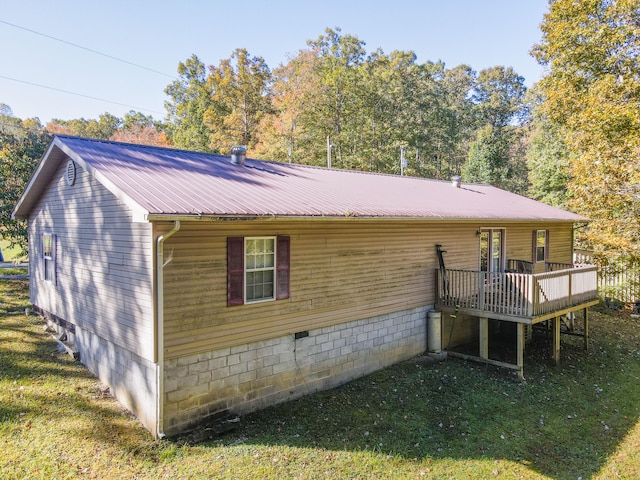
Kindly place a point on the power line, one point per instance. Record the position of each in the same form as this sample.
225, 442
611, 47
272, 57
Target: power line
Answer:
87, 49
80, 95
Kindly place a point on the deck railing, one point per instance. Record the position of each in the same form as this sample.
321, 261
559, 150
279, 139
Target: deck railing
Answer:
555, 266
516, 294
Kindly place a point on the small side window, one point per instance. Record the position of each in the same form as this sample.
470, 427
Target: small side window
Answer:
49, 257
540, 246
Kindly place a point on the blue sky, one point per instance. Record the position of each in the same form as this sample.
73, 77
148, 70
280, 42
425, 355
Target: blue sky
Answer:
159, 34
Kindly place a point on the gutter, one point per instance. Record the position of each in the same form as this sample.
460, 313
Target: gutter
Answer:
159, 299
324, 217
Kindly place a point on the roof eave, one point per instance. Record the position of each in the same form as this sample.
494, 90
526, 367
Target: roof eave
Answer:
158, 217
49, 164
29, 196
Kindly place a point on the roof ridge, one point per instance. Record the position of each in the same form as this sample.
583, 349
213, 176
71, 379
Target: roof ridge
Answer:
274, 162
363, 172
136, 145
154, 180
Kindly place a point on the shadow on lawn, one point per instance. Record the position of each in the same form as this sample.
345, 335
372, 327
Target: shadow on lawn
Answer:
43, 387
15, 296
564, 422
27, 352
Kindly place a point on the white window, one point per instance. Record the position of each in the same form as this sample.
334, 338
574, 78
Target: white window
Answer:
260, 268
49, 257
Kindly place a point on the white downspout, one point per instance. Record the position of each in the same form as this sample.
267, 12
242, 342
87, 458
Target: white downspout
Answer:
160, 327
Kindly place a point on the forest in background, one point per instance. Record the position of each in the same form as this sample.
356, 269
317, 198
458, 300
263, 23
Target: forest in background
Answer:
572, 140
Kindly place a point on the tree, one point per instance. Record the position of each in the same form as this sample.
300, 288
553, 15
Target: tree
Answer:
102, 128
190, 98
382, 91
334, 109
240, 99
457, 120
283, 134
592, 92
488, 160
495, 156
22, 143
363, 110
547, 157
133, 118
5, 111
143, 135
499, 96
142, 129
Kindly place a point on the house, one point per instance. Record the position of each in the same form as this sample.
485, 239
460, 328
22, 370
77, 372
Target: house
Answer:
198, 285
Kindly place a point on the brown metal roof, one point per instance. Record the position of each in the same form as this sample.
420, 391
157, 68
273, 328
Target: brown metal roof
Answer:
159, 181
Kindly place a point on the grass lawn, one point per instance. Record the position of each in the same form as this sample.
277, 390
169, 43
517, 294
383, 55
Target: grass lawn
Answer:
415, 420
14, 271
9, 254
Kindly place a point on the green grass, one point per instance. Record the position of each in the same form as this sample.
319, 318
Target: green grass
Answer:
10, 254
14, 271
415, 420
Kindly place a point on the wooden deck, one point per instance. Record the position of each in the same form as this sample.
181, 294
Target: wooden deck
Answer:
525, 299
517, 297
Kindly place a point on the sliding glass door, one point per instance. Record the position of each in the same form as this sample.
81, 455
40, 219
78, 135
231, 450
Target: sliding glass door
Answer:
492, 250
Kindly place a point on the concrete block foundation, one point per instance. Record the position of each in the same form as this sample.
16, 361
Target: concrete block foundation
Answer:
252, 376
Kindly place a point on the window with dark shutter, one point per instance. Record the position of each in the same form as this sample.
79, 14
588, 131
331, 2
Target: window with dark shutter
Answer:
235, 271
257, 269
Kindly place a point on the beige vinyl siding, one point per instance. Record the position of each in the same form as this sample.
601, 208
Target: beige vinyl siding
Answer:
104, 262
561, 243
520, 243
341, 270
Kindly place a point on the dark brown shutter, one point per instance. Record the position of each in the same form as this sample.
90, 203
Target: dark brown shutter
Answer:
282, 267
546, 246
235, 271
42, 262
54, 258
535, 247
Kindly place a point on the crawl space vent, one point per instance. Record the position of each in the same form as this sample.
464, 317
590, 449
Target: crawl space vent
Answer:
71, 173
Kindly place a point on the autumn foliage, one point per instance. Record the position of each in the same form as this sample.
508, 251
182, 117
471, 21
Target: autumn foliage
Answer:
573, 140
592, 92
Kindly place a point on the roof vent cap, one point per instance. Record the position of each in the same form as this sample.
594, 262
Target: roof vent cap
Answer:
238, 154
456, 181
71, 173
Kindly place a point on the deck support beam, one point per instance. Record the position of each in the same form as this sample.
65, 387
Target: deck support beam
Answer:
520, 350
552, 321
484, 337
586, 328
556, 340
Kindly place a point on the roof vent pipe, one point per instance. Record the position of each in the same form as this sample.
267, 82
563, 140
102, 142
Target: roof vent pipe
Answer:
238, 154
456, 181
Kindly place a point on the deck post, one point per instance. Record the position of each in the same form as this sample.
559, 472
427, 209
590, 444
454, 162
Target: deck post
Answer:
556, 340
586, 328
570, 289
484, 337
532, 304
520, 350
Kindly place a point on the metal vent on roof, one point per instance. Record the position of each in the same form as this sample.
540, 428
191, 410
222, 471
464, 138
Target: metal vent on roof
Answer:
238, 154
71, 173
